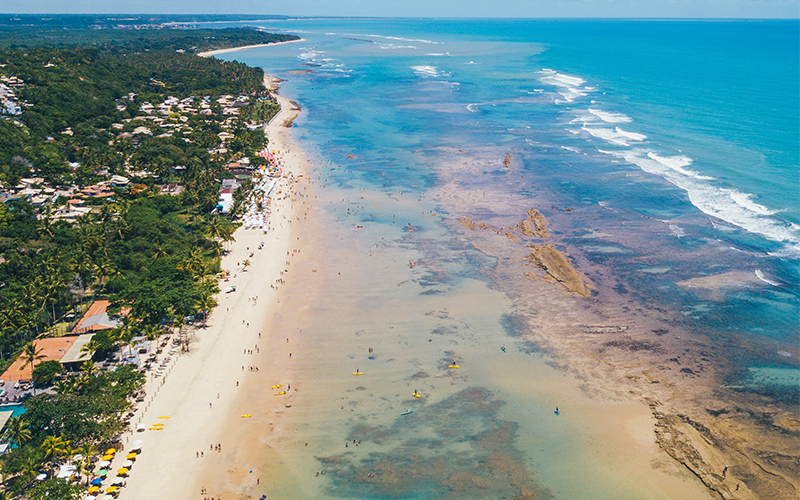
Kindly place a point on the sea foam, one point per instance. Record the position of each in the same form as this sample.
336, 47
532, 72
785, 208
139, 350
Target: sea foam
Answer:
729, 205
610, 117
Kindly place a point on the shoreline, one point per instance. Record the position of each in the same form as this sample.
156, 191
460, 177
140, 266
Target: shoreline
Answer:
211, 53
212, 378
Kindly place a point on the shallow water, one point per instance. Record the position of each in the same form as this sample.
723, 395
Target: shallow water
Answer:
675, 202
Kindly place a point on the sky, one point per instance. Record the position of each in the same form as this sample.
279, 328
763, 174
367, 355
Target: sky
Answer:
424, 8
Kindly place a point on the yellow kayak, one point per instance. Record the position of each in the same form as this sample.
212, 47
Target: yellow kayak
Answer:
280, 393
416, 395
358, 373
247, 416
453, 366
163, 417
276, 386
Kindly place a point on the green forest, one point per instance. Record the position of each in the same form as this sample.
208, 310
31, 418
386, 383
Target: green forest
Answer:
85, 101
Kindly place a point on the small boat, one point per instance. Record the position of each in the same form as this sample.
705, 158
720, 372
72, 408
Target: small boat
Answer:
453, 366
416, 395
280, 393
277, 386
407, 411
357, 372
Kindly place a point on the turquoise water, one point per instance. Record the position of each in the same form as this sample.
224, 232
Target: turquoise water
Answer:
689, 124
664, 155
16, 409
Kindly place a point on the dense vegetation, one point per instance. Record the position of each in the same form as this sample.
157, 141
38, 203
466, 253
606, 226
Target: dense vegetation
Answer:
85, 117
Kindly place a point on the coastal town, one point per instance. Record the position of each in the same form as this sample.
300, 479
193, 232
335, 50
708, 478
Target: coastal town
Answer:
148, 195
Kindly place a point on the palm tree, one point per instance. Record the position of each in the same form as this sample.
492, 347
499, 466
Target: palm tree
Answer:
124, 334
65, 386
54, 446
245, 264
17, 431
160, 252
90, 367
206, 303
152, 332
30, 356
103, 269
91, 347
29, 467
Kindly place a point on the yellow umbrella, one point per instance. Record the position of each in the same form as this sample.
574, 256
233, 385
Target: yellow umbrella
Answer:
130, 456
110, 451
123, 471
93, 489
108, 457
111, 489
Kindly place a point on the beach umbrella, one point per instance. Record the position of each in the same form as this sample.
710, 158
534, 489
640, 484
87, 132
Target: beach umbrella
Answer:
137, 448
89, 497
106, 458
110, 451
130, 456
96, 481
117, 483
102, 473
94, 489
122, 472
104, 463
128, 464
112, 489
138, 442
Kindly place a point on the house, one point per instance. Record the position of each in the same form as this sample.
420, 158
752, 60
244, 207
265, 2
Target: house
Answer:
119, 181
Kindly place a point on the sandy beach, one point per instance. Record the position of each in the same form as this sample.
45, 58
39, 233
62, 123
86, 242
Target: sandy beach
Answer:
212, 383
244, 47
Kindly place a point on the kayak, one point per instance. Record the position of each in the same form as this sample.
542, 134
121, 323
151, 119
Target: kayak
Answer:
453, 366
280, 393
358, 373
407, 412
276, 386
416, 395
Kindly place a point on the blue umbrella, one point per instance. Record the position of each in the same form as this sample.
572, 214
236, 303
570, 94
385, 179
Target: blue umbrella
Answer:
96, 481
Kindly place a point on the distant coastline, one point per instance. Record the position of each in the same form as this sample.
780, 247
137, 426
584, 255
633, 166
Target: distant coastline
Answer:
211, 53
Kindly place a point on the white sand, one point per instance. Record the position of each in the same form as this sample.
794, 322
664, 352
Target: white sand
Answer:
245, 47
200, 391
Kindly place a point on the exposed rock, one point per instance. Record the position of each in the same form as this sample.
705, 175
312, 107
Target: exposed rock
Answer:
535, 225
558, 269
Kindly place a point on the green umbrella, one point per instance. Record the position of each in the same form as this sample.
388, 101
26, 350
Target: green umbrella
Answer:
102, 473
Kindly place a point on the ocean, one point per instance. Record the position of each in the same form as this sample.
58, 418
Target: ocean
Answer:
664, 156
